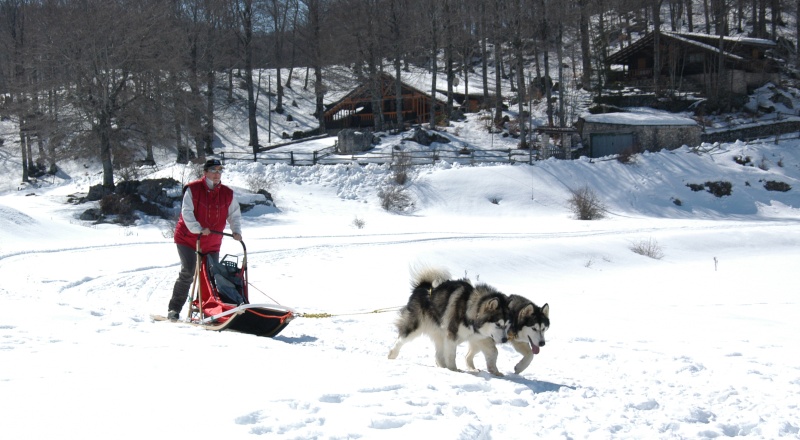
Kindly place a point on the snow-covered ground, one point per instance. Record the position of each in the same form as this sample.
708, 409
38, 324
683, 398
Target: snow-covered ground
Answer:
697, 344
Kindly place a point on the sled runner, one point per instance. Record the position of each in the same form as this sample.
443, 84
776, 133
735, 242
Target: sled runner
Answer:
220, 299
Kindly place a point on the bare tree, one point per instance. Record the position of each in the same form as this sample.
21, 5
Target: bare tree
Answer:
498, 60
243, 11
312, 44
14, 42
278, 13
126, 41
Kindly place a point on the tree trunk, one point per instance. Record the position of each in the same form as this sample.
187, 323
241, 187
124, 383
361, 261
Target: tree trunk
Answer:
51, 142
208, 130
485, 52
586, 51
548, 86
316, 51
23, 149
656, 46
434, 50
247, 21
560, 53
498, 60
103, 132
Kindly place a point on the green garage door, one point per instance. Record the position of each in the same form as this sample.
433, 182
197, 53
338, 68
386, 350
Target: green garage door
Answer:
610, 143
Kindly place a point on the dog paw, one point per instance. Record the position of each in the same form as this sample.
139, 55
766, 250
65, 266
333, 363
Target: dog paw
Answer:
496, 373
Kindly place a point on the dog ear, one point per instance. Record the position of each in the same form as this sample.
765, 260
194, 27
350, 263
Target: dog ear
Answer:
525, 312
491, 305
546, 310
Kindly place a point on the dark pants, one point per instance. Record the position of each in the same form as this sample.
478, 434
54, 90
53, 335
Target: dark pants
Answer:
180, 292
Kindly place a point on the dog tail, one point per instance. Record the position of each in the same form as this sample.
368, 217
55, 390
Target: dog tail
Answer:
428, 276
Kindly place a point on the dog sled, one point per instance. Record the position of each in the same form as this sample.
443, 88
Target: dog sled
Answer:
220, 299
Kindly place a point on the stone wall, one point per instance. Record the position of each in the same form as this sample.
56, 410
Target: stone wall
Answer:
753, 132
649, 137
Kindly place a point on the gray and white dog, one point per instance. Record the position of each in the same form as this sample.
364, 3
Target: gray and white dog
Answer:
451, 312
529, 322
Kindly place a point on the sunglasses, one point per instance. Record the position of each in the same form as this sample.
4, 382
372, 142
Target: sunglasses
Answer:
215, 171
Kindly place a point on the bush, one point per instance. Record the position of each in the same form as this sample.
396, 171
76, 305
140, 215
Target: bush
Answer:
648, 248
696, 186
719, 188
772, 185
742, 160
394, 198
257, 182
359, 223
401, 163
585, 204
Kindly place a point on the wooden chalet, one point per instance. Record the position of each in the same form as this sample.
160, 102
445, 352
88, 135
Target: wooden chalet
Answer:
690, 61
355, 110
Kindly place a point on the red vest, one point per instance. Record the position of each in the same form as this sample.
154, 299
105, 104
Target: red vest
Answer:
211, 211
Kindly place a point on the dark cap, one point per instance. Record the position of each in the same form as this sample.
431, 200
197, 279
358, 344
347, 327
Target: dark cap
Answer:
211, 163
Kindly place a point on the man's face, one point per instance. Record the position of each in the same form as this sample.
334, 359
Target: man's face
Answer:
214, 174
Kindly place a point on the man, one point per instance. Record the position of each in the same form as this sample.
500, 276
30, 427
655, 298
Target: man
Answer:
207, 205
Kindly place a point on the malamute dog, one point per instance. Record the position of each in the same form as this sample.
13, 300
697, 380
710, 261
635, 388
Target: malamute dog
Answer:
528, 324
451, 312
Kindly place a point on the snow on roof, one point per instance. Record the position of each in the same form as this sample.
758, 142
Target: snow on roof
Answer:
705, 46
640, 117
735, 38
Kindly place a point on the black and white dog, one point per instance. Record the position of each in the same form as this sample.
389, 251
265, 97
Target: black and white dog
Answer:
529, 322
451, 312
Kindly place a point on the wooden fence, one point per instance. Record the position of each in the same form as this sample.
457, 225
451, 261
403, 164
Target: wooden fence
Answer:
328, 156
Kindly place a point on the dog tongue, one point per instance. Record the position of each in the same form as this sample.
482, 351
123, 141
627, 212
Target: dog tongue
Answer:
534, 347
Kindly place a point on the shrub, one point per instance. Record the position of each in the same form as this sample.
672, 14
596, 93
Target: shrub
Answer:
648, 248
719, 188
585, 204
696, 186
394, 198
359, 223
628, 155
772, 185
742, 160
764, 164
257, 182
401, 163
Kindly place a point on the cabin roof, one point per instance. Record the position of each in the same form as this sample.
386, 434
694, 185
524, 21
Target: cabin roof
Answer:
704, 42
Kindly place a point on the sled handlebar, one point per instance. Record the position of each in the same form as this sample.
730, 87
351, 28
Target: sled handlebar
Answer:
228, 234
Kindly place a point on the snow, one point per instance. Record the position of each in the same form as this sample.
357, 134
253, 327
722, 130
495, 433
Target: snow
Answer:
640, 116
698, 344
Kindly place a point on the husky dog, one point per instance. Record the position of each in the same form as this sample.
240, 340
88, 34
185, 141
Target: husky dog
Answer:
451, 312
528, 324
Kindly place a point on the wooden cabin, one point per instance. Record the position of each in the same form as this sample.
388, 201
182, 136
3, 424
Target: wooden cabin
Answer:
690, 61
355, 110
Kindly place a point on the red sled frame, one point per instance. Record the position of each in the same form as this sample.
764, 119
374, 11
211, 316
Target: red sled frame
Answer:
209, 309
